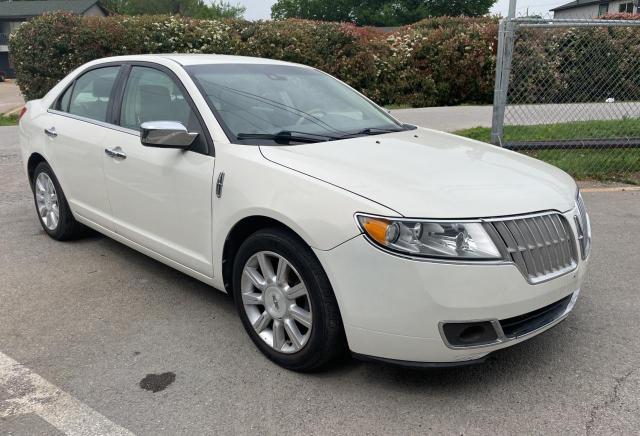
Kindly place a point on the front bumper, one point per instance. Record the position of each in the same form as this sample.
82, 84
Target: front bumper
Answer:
393, 308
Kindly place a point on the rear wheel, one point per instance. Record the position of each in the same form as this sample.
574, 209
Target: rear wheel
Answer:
285, 301
53, 210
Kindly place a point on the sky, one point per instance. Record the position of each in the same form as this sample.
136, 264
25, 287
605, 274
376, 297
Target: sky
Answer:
261, 9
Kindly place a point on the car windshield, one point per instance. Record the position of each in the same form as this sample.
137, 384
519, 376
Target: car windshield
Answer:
280, 104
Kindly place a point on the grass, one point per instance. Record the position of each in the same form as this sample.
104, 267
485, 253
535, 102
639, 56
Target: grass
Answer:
621, 165
8, 120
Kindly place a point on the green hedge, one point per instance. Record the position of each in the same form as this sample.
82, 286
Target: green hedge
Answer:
444, 61
574, 65
435, 62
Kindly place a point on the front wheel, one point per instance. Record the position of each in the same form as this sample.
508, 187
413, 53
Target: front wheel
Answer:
285, 301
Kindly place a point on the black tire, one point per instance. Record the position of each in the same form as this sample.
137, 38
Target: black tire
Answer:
327, 339
67, 228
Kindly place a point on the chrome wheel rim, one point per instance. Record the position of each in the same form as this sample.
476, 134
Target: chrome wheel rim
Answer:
276, 302
47, 201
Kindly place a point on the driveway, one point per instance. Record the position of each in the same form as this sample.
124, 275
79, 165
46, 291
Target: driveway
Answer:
447, 118
452, 118
10, 97
83, 323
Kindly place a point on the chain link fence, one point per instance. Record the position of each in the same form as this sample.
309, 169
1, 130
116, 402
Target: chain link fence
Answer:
568, 92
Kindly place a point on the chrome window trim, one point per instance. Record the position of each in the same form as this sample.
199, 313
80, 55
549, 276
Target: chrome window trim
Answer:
95, 122
502, 338
496, 262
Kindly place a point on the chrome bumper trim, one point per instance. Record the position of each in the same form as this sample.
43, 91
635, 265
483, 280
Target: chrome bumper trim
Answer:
502, 338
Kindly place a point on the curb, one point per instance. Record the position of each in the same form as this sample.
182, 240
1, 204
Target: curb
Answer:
612, 189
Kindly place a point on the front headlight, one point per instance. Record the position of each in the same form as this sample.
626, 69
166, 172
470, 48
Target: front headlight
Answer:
435, 239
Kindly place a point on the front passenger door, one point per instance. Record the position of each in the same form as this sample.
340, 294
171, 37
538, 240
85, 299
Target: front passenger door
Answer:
161, 198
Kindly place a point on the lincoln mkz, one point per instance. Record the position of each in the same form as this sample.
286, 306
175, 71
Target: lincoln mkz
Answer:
333, 225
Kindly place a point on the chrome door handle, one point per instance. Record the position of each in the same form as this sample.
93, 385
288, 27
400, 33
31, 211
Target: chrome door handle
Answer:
115, 153
51, 132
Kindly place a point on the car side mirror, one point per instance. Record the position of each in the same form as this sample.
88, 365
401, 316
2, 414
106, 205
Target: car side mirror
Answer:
166, 134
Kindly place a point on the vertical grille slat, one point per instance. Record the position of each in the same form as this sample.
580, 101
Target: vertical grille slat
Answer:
552, 249
531, 242
569, 242
540, 241
541, 246
546, 242
523, 247
555, 237
511, 245
566, 254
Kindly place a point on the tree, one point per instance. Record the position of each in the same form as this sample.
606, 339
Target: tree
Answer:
325, 10
378, 12
189, 8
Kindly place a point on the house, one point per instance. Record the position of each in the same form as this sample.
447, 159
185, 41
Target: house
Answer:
12, 13
594, 8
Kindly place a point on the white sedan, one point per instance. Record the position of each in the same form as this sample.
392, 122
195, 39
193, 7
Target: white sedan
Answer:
334, 226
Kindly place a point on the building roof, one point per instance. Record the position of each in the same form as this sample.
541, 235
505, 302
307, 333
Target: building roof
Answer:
578, 4
24, 9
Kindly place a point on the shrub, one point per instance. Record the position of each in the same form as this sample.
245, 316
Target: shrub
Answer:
443, 61
576, 64
621, 16
458, 54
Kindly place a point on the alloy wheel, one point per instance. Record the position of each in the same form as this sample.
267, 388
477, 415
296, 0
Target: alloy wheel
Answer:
276, 302
47, 201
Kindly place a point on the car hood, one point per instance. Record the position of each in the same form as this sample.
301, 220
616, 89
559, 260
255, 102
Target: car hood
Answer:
430, 174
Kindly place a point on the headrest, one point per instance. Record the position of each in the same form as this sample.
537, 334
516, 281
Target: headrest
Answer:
155, 103
102, 87
156, 93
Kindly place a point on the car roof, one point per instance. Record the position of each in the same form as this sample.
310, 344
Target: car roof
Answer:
189, 59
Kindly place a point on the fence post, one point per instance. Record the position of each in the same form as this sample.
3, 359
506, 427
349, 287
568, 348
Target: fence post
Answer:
497, 121
506, 40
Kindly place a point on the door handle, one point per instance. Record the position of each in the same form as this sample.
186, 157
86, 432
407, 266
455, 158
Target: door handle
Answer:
51, 132
115, 153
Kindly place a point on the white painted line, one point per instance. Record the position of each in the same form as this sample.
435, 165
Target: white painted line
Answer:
30, 393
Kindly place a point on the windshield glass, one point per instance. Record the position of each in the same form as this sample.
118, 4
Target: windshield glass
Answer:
262, 104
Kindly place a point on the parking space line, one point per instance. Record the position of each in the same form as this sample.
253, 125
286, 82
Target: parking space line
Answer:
30, 393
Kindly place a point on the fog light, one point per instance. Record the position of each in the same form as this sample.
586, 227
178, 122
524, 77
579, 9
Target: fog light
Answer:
468, 334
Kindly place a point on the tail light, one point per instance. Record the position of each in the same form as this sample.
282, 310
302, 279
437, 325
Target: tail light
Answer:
22, 112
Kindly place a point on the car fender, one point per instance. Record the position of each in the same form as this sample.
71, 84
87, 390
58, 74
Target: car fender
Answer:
318, 212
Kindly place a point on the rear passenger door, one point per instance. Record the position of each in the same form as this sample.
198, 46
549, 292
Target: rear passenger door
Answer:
75, 127
161, 197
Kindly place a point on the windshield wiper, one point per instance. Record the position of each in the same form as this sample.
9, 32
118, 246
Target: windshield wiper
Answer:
374, 131
288, 136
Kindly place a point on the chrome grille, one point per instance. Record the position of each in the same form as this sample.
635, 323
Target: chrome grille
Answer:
541, 246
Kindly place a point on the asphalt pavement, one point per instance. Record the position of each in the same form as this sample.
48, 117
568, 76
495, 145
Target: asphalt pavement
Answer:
90, 329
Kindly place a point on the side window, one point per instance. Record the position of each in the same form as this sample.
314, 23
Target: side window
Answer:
151, 95
91, 93
63, 101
